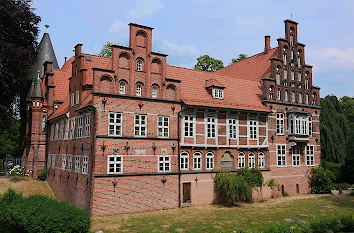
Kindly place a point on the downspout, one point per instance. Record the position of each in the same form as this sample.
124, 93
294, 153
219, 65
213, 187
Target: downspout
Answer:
93, 148
179, 159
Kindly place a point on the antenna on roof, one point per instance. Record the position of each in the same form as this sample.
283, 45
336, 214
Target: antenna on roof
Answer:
46, 28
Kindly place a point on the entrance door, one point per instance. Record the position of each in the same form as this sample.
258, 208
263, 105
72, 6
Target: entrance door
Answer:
186, 193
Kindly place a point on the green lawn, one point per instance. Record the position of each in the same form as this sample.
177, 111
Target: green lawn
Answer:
252, 217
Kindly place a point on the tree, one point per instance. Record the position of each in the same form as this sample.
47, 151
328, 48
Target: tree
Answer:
209, 64
106, 50
18, 35
240, 58
10, 139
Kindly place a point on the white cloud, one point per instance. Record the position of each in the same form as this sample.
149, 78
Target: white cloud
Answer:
179, 49
323, 59
143, 8
118, 26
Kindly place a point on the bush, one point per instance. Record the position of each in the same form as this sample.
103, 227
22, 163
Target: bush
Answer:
341, 186
321, 180
253, 176
42, 175
39, 213
341, 224
282, 228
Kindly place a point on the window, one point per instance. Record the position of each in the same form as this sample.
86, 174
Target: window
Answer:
218, 93
70, 162
261, 163
67, 125
299, 76
77, 97
72, 99
77, 163
292, 76
285, 74
284, 56
138, 90
270, 93
251, 160
72, 128
85, 164
79, 126
210, 160
51, 132
56, 131
184, 161
211, 127
53, 161
277, 76
232, 126
61, 130
115, 124
281, 155
278, 94
188, 125
154, 92
87, 125
164, 163
310, 160
310, 126
300, 98
286, 98
241, 160
139, 65
162, 126
300, 124
140, 125
63, 162
253, 127
306, 83
280, 123
296, 156
114, 164
307, 99
197, 160
292, 54
293, 97
122, 88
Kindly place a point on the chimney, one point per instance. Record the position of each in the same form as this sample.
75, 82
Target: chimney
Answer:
65, 59
266, 44
78, 50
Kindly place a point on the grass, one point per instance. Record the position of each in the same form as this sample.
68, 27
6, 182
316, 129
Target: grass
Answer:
213, 218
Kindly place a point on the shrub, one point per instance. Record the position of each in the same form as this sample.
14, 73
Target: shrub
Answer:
253, 176
335, 168
341, 224
321, 180
341, 186
42, 175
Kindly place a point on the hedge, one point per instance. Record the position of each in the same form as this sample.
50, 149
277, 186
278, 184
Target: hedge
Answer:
38, 213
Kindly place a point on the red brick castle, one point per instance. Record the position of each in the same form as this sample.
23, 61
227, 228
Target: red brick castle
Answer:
131, 133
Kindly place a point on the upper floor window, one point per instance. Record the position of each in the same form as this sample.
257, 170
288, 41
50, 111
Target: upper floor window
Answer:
300, 124
310, 158
299, 76
140, 125
300, 98
310, 126
292, 76
72, 128
286, 98
284, 56
261, 163
61, 130
70, 162
51, 132
285, 74
122, 88
139, 65
188, 125
63, 162
79, 126
209, 160
253, 127
163, 126
278, 94
299, 61
77, 163
306, 83
154, 91
232, 126
270, 93
296, 155
87, 125
115, 124
197, 160
184, 160
251, 160
67, 125
281, 155
277, 76
293, 97
72, 99
292, 54
164, 163
218, 93
307, 99
77, 97
114, 164
56, 135
138, 90
211, 127
85, 164
280, 123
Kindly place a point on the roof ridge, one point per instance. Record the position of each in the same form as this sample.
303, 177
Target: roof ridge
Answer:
190, 69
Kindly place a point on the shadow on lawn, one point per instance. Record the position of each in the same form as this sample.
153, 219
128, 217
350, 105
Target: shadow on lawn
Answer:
342, 201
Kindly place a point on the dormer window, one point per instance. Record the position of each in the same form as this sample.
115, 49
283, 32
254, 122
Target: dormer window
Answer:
218, 93
139, 65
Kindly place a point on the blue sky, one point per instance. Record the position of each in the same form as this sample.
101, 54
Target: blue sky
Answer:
186, 29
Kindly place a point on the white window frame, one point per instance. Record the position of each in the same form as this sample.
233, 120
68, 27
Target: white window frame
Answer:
72, 128
77, 97
117, 164
309, 120
87, 125
53, 161
218, 93
211, 126
154, 91
281, 157
189, 124
197, 160
292, 75
280, 123
293, 97
251, 160
295, 151
285, 74
61, 130
139, 65
241, 160
162, 129
278, 94
70, 162
209, 161
140, 125
310, 155
85, 160
63, 162
184, 160
115, 123
253, 127
164, 163
56, 135
300, 98
122, 88
52, 132
77, 163
299, 77
261, 161
138, 90
80, 123
286, 96
232, 127
67, 125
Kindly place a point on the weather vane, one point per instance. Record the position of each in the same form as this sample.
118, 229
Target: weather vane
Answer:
46, 28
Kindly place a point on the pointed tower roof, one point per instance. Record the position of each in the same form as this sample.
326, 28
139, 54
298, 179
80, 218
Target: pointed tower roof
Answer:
29, 94
45, 52
37, 88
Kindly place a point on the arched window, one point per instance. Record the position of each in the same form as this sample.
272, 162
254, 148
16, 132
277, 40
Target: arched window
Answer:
300, 98
138, 90
291, 36
184, 160
297, 189
292, 75
285, 74
292, 129
314, 99
241, 160
270, 93
139, 65
299, 76
251, 160
261, 163
307, 99
154, 91
293, 97
122, 88
286, 96
278, 94
277, 76
210, 160
284, 55
197, 161
299, 59
292, 54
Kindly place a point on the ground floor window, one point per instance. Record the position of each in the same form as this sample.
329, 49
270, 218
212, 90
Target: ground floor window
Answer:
241, 160
209, 160
310, 160
197, 160
164, 163
251, 160
281, 155
261, 163
184, 161
296, 156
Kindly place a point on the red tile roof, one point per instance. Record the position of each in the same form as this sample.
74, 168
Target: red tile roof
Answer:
253, 68
96, 62
238, 93
63, 108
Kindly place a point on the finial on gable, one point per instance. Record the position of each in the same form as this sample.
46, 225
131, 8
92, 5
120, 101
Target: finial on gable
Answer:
46, 28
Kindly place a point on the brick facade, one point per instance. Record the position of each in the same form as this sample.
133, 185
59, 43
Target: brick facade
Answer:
135, 134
